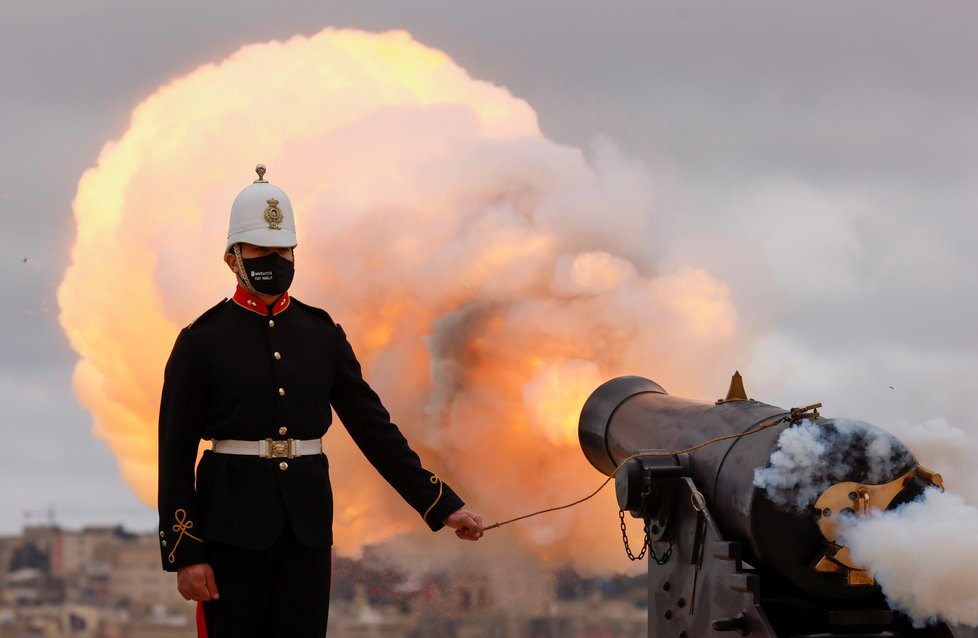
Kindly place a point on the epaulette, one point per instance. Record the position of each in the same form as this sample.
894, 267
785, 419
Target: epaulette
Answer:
206, 314
314, 310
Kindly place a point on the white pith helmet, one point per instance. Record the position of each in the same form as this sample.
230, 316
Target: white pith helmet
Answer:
261, 215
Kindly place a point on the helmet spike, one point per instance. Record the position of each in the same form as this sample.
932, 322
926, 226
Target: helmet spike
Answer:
260, 169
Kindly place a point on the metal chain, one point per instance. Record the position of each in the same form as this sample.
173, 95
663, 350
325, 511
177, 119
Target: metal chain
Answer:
646, 546
624, 538
661, 560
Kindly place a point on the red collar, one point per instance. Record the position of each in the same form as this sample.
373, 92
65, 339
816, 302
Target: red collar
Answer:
250, 302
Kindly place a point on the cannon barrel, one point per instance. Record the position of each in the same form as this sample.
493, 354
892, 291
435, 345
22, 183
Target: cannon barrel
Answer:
630, 415
720, 484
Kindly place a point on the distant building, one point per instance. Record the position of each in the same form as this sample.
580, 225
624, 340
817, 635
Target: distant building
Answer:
99, 582
104, 582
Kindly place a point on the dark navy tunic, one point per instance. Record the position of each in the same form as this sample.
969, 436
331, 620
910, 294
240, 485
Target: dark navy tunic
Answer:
244, 371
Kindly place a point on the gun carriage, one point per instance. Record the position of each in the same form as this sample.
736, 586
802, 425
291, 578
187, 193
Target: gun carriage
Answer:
724, 559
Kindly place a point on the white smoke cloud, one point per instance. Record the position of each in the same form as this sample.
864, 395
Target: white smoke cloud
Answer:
811, 457
947, 449
794, 478
923, 554
884, 456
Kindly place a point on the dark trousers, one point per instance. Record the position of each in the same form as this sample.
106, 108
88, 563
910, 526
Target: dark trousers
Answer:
279, 592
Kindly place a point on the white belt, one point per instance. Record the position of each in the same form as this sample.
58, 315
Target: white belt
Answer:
268, 448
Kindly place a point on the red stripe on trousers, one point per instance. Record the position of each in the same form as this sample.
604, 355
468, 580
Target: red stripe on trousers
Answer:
201, 625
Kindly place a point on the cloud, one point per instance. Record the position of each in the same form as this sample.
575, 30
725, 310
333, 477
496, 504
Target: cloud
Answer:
488, 277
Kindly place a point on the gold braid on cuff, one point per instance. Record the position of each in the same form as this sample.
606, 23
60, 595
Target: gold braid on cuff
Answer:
434, 481
181, 527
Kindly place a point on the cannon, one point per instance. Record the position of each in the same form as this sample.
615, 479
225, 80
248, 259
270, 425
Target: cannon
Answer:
727, 557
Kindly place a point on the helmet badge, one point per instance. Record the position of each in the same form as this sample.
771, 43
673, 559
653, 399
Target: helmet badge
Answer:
273, 215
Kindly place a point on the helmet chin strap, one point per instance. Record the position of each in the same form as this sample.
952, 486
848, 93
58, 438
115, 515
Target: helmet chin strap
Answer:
242, 273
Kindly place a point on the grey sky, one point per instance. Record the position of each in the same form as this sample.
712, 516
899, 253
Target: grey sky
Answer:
820, 158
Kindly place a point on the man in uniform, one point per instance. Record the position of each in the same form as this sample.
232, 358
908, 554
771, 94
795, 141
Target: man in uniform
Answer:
250, 534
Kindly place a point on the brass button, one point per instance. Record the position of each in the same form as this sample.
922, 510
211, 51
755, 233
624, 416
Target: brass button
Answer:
271, 323
163, 543
162, 534
278, 355
282, 431
281, 392
283, 466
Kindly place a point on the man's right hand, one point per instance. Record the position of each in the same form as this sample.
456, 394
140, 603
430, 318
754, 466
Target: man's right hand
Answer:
196, 582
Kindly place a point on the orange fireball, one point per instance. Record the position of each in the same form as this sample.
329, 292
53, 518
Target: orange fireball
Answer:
488, 277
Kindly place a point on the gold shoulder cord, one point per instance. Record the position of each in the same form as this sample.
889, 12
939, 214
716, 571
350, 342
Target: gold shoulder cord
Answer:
182, 526
434, 481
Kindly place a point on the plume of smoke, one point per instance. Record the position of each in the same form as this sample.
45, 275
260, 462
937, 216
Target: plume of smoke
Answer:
922, 553
923, 556
488, 278
810, 457
947, 449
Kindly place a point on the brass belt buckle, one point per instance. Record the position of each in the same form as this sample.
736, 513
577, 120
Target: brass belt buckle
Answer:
279, 449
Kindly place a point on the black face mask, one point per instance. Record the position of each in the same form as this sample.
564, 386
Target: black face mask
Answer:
269, 275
